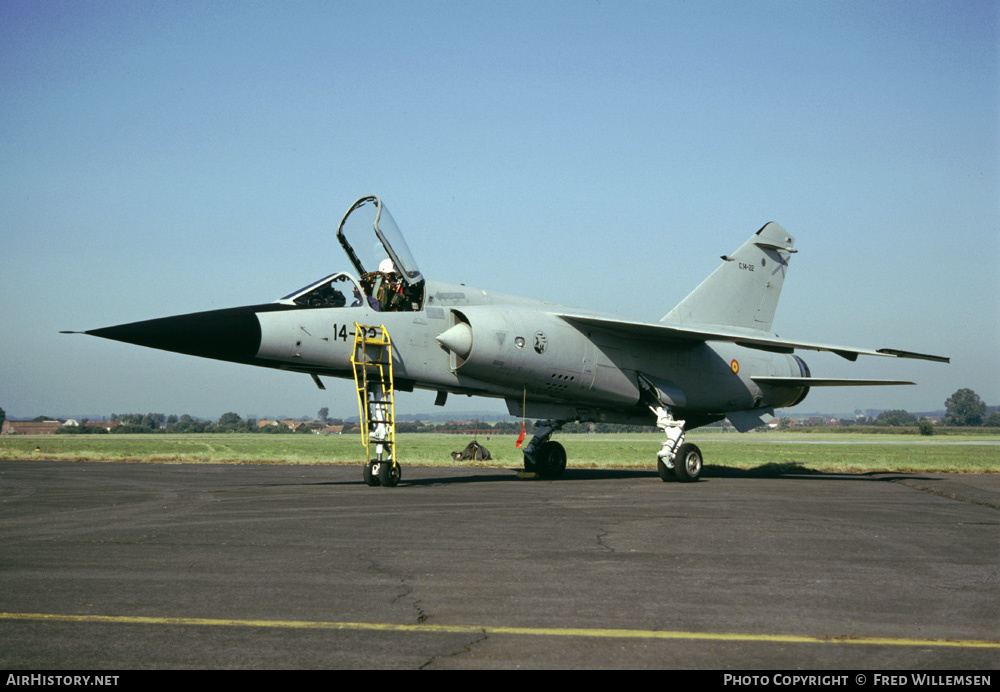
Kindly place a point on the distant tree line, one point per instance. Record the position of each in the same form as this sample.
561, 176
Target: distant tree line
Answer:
894, 418
145, 423
964, 408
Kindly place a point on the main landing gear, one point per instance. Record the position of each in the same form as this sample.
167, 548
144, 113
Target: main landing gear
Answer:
543, 457
677, 460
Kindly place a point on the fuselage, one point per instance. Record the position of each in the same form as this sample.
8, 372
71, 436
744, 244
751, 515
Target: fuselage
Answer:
518, 349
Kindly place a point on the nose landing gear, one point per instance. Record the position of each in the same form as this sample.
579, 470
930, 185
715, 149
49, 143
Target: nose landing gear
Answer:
372, 360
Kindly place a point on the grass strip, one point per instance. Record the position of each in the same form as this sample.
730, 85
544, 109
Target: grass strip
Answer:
772, 452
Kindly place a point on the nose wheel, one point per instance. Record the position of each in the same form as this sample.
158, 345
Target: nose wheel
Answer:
384, 473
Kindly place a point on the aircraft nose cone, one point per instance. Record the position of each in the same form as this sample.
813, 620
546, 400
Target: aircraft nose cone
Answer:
231, 334
458, 340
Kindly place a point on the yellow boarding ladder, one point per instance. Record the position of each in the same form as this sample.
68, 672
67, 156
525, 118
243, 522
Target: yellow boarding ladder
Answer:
372, 361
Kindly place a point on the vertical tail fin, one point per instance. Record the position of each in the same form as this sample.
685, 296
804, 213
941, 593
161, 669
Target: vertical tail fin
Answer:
744, 291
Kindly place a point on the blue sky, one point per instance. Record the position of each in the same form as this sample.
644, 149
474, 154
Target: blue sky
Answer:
163, 158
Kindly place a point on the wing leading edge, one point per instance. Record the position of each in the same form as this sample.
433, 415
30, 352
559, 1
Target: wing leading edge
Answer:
749, 338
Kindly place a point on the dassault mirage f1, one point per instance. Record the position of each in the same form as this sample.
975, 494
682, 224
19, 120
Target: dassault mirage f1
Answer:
712, 357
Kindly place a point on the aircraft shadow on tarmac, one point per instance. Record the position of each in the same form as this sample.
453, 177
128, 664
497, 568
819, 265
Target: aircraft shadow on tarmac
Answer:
415, 477
792, 471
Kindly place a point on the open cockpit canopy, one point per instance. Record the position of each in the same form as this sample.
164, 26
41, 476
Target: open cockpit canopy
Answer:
389, 278
372, 240
369, 235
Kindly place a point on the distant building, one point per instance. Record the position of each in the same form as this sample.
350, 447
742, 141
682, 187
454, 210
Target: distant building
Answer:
18, 427
294, 425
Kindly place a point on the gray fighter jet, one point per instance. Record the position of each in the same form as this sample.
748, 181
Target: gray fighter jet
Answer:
712, 357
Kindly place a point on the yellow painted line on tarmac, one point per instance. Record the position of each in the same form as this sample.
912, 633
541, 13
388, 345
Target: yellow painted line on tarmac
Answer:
479, 629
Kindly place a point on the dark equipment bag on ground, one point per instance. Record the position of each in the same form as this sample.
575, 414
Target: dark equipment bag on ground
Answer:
473, 450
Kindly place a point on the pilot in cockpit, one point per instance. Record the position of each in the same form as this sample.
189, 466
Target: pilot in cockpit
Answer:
384, 287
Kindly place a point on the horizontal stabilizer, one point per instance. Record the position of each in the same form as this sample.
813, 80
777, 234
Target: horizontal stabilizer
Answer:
822, 382
658, 331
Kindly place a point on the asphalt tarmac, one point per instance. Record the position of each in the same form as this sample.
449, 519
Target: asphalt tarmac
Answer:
111, 567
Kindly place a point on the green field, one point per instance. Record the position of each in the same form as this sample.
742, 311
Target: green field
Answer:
763, 453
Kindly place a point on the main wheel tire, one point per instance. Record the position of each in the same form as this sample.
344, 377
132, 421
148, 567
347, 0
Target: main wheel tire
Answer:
550, 460
666, 474
389, 474
688, 463
370, 475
